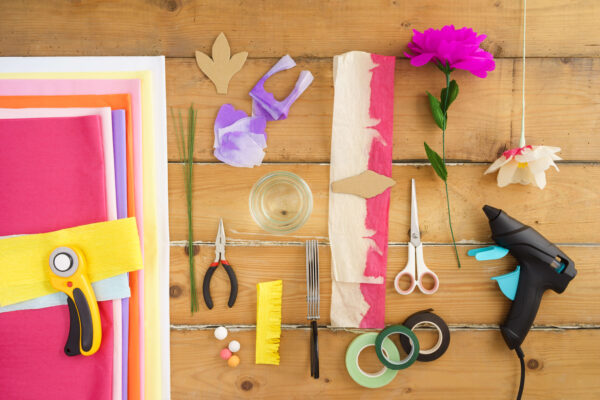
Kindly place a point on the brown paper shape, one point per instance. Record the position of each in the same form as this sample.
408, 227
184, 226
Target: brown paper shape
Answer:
366, 185
221, 68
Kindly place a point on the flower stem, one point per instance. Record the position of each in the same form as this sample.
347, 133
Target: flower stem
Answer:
447, 73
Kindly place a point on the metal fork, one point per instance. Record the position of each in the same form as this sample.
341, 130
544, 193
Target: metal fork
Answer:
313, 300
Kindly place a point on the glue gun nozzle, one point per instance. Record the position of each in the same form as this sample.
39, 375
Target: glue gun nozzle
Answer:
491, 212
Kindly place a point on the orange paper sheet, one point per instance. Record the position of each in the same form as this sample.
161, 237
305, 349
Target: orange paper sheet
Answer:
114, 101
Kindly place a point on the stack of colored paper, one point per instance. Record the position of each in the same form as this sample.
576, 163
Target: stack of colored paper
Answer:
83, 140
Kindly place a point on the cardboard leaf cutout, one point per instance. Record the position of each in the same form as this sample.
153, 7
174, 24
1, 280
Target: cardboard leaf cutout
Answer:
366, 185
221, 68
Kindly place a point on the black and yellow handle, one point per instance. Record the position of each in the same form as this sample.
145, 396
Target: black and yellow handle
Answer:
68, 275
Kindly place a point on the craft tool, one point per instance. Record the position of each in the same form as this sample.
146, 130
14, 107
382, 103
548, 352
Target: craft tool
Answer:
542, 266
234, 346
268, 321
415, 256
426, 317
370, 380
221, 333
111, 248
68, 273
220, 259
400, 363
313, 299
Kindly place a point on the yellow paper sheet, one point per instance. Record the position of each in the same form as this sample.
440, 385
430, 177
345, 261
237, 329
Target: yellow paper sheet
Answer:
110, 248
152, 342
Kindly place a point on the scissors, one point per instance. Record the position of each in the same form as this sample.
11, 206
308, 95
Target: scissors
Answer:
219, 259
415, 251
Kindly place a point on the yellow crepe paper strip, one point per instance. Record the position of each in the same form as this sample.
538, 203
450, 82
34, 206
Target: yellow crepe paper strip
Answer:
110, 248
268, 322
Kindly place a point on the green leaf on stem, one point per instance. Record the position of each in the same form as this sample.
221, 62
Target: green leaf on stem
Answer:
436, 162
445, 103
436, 111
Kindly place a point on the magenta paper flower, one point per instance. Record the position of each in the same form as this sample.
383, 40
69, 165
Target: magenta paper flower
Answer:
456, 48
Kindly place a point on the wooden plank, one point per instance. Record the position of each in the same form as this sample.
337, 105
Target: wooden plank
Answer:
273, 27
465, 297
561, 211
562, 109
477, 365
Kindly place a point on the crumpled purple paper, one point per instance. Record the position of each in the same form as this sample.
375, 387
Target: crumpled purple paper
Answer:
239, 139
264, 103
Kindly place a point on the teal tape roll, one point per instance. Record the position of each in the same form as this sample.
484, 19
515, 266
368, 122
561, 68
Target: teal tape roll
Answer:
392, 363
378, 379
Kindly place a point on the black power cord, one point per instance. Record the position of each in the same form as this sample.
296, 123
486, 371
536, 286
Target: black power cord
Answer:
521, 356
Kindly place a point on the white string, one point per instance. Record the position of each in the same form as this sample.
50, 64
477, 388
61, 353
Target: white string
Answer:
522, 140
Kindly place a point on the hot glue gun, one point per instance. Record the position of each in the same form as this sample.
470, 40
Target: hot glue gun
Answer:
542, 266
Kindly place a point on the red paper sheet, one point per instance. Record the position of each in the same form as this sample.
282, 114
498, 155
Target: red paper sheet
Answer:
54, 169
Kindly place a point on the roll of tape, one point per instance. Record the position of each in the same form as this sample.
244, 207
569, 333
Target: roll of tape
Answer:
405, 333
423, 319
370, 380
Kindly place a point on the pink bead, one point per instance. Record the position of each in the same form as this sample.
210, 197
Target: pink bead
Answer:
225, 354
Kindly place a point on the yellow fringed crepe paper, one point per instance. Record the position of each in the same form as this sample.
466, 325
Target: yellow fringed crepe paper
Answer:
268, 322
110, 248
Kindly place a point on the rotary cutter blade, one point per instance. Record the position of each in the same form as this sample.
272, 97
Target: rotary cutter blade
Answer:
68, 275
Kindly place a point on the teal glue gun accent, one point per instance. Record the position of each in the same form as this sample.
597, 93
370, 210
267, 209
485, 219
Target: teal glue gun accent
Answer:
508, 283
488, 253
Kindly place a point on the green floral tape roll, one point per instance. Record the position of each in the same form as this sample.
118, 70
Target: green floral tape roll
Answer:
396, 364
368, 380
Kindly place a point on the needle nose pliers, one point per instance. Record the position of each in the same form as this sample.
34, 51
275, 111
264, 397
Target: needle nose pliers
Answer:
220, 259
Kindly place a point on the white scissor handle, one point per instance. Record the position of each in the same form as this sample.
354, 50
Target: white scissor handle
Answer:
422, 271
409, 271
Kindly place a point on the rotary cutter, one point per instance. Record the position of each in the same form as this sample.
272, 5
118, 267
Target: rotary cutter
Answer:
68, 275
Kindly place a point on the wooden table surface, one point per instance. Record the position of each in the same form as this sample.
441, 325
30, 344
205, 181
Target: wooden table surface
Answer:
563, 109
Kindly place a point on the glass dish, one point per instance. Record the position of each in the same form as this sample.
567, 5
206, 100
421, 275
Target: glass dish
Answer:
280, 202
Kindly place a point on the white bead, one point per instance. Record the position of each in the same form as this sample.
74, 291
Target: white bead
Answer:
234, 346
221, 333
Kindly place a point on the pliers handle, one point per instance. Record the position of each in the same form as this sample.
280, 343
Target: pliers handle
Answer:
208, 276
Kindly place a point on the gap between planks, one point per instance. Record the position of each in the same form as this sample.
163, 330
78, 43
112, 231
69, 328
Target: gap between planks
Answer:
453, 327
325, 242
405, 163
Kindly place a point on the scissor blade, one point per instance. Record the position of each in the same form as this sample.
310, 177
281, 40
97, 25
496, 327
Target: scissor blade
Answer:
415, 234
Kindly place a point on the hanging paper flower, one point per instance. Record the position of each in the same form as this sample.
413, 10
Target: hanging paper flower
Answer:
525, 165
456, 48
449, 49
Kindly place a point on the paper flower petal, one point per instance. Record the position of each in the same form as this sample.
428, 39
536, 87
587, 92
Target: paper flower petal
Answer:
226, 116
251, 125
239, 149
497, 164
264, 103
506, 173
239, 139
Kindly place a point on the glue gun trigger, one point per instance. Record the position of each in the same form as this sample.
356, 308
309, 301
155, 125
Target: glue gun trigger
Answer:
488, 253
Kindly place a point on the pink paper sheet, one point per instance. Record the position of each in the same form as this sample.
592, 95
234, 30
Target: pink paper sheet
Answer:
51, 168
22, 87
37, 157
